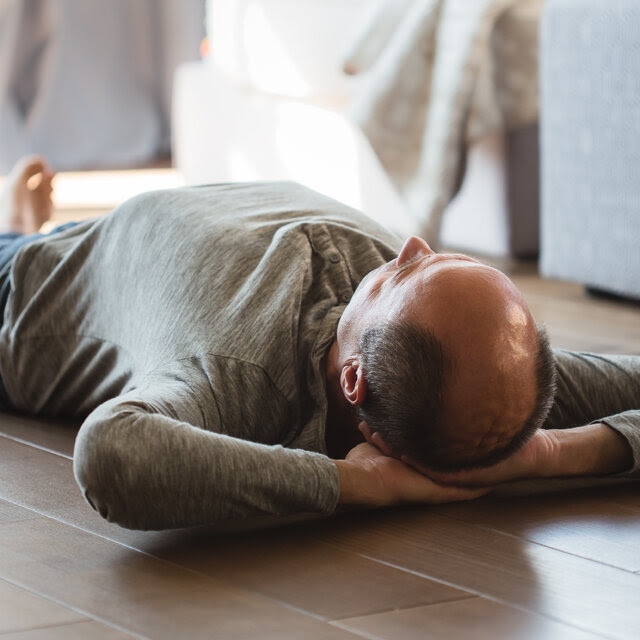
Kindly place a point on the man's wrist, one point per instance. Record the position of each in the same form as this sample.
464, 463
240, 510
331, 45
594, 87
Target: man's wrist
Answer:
358, 483
594, 449
351, 482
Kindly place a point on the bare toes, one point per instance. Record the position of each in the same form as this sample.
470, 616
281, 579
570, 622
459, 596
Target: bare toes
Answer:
31, 166
26, 201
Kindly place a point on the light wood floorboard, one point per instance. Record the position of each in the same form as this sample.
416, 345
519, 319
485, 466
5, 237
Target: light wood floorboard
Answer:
21, 610
599, 523
561, 586
474, 618
76, 631
124, 588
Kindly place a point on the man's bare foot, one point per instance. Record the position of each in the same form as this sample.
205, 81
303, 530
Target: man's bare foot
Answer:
25, 201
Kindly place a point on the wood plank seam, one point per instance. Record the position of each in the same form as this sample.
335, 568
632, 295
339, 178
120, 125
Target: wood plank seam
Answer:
347, 625
41, 514
223, 584
359, 632
70, 607
486, 596
539, 544
221, 581
418, 606
35, 446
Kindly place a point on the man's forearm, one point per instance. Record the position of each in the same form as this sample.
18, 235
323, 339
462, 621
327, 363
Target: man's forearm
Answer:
594, 449
147, 470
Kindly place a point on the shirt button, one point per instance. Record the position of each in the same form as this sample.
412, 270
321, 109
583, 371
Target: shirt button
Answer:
334, 257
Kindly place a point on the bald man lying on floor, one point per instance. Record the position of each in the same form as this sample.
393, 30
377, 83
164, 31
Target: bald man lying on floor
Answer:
249, 349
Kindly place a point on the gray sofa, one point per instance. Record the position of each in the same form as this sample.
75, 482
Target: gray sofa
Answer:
590, 143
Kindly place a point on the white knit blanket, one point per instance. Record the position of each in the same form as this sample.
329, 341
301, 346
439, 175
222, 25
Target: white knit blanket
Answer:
437, 75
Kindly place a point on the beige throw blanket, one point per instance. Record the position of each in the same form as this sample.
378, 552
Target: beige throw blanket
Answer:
437, 75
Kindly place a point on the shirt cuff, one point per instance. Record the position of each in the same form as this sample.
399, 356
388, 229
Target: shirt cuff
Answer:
627, 424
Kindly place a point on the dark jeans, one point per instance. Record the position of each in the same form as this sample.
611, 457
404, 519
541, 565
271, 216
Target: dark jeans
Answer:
9, 245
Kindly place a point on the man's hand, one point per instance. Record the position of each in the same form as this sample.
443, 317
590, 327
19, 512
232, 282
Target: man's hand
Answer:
535, 459
593, 449
369, 477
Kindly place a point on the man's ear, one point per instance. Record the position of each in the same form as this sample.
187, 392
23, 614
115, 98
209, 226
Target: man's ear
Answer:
353, 383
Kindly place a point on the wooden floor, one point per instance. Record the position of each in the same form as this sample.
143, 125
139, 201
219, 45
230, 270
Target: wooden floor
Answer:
552, 560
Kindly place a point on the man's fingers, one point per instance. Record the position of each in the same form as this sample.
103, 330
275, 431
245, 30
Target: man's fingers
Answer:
464, 479
461, 478
374, 438
457, 494
381, 444
438, 494
366, 431
395, 482
410, 462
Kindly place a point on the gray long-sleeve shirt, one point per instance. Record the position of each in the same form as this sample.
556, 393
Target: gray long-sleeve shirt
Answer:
191, 326
599, 388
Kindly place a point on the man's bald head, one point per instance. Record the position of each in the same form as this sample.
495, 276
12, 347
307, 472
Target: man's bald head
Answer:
457, 337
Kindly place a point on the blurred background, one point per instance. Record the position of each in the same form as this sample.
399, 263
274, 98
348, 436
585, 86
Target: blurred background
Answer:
88, 83
503, 128
368, 101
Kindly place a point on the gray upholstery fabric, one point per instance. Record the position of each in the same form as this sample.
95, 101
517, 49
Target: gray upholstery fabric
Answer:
590, 143
523, 191
88, 84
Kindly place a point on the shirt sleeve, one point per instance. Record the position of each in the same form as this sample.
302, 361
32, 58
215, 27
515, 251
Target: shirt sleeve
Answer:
153, 459
599, 388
